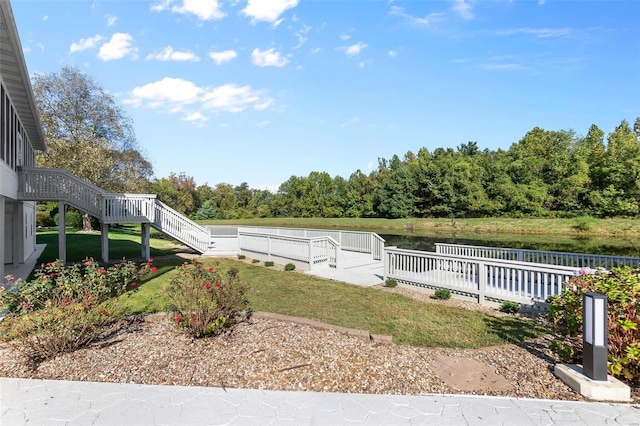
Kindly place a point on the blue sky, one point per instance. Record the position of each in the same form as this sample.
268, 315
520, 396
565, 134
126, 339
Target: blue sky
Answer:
259, 90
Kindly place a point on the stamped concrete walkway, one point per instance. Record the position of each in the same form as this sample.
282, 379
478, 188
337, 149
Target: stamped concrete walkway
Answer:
49, 402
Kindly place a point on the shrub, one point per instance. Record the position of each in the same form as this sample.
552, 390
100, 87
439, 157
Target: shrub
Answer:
622, 288
56, 280
289, 267
64, 308
242, 256
509, 307
390, 282
269, 263
205, 301
255, 261
442, 294
73, 219
44, 219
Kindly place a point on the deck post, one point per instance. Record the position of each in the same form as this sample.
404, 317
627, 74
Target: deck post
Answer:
104, 237
2, 231
144, 241
482, 281
62, 233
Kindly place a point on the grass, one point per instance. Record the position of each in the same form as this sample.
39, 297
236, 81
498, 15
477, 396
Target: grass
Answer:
410, 322
123, 240
533, 226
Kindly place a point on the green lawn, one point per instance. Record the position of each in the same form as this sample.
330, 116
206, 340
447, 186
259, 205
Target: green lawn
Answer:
124, 242
290, 293
536, 226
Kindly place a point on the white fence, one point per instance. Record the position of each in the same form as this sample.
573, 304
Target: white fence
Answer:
495, 279
575, 260
309, 253
361, 242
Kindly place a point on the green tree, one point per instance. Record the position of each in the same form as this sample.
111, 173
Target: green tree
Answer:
178, 192
88, 133
394, 198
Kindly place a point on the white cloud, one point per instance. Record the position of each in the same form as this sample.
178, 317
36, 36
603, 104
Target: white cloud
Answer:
538, 32
355, 49
344, 36
196, 118
173, 92
85, 43
168, 54
268, 58
361, 64
111, 20
302, 36
117, 48
392, 53
502, 67
353, 121
206, 10
223, 56
462, 8
185, 97
267, 10
45, 18
234, 98
263, 123
430, 19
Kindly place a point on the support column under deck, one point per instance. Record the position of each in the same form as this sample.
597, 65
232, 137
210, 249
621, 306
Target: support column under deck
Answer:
18, 233
104, 237
2, 231
144, 240
62, 233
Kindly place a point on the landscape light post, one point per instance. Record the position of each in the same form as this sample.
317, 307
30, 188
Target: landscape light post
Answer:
594, 353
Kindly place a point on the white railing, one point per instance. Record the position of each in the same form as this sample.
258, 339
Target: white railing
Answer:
222, 230
179, 227
495, 279
312, 252
356, 241
576, 260
40, 184
128, 208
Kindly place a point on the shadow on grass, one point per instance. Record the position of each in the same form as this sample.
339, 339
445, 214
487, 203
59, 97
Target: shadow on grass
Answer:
124, 243
514, 330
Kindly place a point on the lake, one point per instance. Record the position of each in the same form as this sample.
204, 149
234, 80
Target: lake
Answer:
426, 242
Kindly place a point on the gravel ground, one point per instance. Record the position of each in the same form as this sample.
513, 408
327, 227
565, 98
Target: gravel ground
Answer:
283, 355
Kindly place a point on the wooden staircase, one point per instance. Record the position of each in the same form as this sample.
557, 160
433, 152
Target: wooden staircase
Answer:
43, 184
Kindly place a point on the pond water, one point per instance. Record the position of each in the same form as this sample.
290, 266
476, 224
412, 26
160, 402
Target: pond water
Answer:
426, 242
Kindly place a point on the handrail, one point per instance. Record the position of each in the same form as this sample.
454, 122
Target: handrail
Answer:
46, 184
576, 260
179, 227
522, 282
355, 241
311, 251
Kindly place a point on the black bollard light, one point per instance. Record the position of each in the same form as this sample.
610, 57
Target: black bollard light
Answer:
594, 353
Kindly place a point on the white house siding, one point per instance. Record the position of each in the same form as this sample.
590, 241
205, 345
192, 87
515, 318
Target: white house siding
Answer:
20, 133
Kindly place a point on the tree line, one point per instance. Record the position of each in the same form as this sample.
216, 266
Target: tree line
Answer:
547, 173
